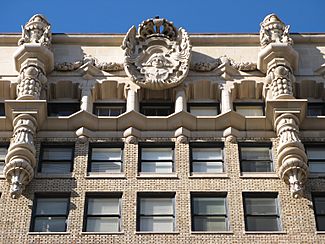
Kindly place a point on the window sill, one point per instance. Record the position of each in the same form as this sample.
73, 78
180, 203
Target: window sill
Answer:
102, 233
208, 175
157, 176
320, 232
226, 232
259, 175
156, 232
53, 176
105, 176
265, 232
48, 233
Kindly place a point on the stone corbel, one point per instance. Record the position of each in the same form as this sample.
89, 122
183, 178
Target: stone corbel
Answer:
182, 134
83, 134
231, 134
131, 135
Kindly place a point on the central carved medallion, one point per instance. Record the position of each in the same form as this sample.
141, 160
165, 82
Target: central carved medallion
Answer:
158, 56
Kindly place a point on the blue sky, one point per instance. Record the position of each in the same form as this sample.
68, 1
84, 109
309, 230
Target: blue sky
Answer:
196, 16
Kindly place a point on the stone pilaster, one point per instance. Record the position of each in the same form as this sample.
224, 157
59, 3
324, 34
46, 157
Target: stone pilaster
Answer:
278, 60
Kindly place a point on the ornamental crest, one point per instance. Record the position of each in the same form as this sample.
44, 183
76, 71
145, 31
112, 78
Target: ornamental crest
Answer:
158, 55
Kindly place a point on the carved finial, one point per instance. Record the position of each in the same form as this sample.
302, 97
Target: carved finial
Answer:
157, 27
274, 30
37, 30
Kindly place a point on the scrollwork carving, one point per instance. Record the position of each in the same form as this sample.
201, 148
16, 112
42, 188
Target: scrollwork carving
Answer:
158, 56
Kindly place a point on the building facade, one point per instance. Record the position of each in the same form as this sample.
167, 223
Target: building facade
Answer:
158, 136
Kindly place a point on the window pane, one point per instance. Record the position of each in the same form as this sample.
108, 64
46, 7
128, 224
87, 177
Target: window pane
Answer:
49, 224
250, 110
103, 224
319, 205
314, 110
207, 153
209, 205
1, 167
3, 153
153, 206
106, 154
317, 167
259, 166
106, 167
156, 223
210, 223
255, 153
207, 167
254, 223
157, 154
51, 206
203, 111
320, 222
97, 206
260, 206
316, 153
56, 167
157, 167
57, 153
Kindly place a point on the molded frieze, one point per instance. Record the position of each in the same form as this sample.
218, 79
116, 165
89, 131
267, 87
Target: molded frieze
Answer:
158, 56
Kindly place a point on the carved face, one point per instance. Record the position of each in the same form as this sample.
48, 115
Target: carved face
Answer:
157, 60
35, 34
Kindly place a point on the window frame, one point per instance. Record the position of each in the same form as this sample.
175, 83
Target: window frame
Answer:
222, 195
320, 105
205, 104
113, 195
105, 145
262, 195
170, 106
2, 109
167, 195
47, 195
260, 104
269, 145
204, 145
3, 145
40, 161
167, 145
311, 145
317, 195
52, 105
109, 105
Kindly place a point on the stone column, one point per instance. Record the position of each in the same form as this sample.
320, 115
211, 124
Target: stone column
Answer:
132, 102
226, 103
33, 59
278, 59
180, 100
86, 99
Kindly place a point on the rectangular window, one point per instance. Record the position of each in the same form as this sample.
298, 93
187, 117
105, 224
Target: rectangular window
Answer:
3, 153
204, 109
315, 109
316, 159
106, 159
50, 213
156, 212
249, 109
256, 158
209, 212
206, 158
62, 109
319, 210
156, 109
56, 159
261, 212
157, 159
103, 213
2, 109
111, 109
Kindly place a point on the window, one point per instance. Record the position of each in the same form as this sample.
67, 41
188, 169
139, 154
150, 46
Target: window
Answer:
111, 109
319, 210
316, 159
156, 109
315, 109
106, 159
206, 158
249, 109
156, 212
2, 109
3, 153
261, 212
157, 159
256, 158
62, 109
56, 159
209, 212
50, 213
103, 213
204, 109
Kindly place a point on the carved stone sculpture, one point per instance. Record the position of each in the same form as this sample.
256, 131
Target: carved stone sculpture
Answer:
274, 30
37, 30
158, 56
280, 82
292, 159
20, 160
